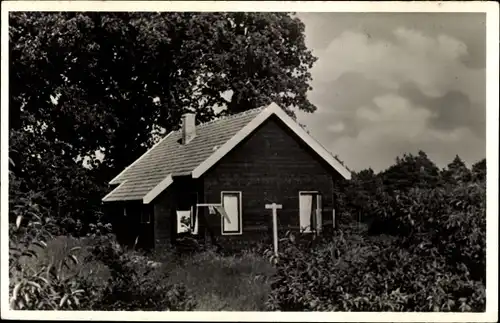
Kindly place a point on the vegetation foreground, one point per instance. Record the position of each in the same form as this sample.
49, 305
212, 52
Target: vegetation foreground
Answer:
97, 274
420, 249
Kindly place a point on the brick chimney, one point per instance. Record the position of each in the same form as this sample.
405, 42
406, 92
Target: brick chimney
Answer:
188, 127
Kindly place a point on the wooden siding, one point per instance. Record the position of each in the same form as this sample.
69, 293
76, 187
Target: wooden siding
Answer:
129, 228
163, 220
271, 165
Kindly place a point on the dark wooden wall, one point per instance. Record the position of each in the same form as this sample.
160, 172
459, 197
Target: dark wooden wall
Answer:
272, 165
129, 228
163, 208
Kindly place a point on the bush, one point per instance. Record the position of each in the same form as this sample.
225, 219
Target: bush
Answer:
135, 284
44, 283
436, 260
452, 219
47, 288
46, 275
57, 280
370, 275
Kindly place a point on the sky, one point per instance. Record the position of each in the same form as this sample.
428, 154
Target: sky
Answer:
386, 84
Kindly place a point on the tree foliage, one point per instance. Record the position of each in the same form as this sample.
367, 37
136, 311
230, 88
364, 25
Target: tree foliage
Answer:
479, 170
457, 171
106, 69
348, 274
411, 171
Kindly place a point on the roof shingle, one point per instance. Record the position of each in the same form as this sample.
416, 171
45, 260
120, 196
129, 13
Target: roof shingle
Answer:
170, 157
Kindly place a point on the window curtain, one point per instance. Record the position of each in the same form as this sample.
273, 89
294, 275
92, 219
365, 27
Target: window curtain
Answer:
306, 207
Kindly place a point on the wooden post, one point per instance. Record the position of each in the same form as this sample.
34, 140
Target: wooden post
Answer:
275, 207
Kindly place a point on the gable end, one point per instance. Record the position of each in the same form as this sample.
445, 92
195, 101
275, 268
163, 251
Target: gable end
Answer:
272, 110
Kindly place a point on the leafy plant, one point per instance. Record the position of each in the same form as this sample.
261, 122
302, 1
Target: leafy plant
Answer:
135, 285
47, 288
366, 275
40, 286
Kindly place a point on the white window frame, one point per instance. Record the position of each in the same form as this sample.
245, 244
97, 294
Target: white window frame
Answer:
240, 218
317, 193
194, 216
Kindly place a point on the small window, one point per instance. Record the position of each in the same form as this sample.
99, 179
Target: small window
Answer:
124, 211
187, 221
231, 221
187, 215
183, 221
310, 211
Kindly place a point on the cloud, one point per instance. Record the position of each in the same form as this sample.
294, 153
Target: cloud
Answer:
434, 64
380, 97
393, 126
337, 127
452, 110
392, 115
470, 28
337, 101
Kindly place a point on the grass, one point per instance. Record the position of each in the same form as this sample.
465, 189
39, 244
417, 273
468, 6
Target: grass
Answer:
218, 283
225, 283
56, 251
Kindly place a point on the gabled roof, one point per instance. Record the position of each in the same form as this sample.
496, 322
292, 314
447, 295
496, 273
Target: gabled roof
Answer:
153, 172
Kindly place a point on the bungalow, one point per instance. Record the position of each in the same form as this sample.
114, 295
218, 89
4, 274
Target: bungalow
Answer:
212, 181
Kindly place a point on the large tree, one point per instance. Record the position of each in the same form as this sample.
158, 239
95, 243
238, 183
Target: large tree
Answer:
82, 82
411, 171
116, 79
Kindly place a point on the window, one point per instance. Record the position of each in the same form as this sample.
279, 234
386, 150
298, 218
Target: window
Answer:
187, 220
231, 202
310, 211
183, 218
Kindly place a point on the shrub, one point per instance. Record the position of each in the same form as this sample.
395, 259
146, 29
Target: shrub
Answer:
435, 262
43, 284
135, 285
370, 275
452, 218
57, 282
46, 288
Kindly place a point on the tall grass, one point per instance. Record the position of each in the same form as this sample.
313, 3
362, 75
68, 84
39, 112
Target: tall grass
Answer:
225, 283
217, 282
59, 247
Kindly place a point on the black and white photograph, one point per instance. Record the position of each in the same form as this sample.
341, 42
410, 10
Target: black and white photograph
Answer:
239, 161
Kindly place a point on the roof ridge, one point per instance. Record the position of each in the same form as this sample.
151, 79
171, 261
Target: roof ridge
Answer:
231, 116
